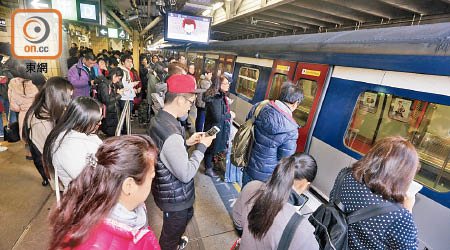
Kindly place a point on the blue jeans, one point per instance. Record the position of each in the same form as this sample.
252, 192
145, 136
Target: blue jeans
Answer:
246, 178
232, 173
6, 105
200, 120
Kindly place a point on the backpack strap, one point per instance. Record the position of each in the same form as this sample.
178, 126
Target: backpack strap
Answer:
338, 190
372, 211
289, 231
258, 109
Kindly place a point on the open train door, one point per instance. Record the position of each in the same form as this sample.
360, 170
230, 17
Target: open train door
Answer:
282, 71
311, 78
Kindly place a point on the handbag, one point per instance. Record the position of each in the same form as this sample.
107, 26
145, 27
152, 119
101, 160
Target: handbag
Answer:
11, 130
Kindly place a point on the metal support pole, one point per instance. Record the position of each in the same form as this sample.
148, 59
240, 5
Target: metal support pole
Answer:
124, 116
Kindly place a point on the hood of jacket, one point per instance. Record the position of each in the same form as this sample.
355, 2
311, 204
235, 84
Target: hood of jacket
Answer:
23, 87
73, 139
273, 121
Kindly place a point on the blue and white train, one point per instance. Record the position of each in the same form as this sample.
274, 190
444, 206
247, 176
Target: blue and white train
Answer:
360, 86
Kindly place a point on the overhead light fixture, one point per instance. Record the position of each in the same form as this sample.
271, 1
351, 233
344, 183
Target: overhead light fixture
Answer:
206, 12
255, 21
217, 5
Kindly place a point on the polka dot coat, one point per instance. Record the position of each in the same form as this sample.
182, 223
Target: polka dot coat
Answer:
394, 230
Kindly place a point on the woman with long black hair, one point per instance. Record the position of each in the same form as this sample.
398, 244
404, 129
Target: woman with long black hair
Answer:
45, 112
262, 210
109, 93
217, 114
73, 138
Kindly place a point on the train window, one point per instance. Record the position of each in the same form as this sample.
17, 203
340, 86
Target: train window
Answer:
247, 80
210, 64
275, 88
309, 87
425, 124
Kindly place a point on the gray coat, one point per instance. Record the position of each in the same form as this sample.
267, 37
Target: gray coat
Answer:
303, 237
203, 84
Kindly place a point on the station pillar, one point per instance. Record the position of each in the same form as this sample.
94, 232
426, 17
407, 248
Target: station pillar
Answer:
136, 43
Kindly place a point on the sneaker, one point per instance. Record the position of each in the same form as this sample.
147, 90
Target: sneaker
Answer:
210, 173
3, 148
184, 242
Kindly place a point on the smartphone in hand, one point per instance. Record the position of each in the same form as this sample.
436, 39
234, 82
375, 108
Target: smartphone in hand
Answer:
212, 131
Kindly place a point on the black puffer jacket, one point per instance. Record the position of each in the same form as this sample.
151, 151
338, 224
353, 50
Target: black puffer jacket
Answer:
107, 95
4, 71
169, 192
217, 114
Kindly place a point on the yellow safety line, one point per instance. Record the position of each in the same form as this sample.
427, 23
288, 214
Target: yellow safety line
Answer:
238, 188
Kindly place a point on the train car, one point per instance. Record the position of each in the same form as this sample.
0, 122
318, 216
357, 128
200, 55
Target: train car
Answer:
360, 86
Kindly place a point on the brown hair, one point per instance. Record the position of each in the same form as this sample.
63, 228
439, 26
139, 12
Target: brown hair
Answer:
91, 196
215, 86
388, 168
177, 68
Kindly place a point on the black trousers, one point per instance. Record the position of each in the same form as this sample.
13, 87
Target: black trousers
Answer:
174, 225
37, 159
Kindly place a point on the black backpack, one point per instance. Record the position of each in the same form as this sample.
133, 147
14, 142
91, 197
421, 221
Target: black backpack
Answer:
331, 222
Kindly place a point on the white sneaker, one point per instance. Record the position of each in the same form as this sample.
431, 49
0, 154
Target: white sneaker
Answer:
3, 148
184, 242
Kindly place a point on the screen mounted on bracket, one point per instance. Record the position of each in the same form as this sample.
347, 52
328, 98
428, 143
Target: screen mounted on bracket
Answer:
88, 11
180, 27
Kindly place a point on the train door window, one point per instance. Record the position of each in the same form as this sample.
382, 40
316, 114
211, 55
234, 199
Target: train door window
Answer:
210, 64
247, 80
229, 68
275, 88
425, 124
309, 88
219, 68
198, 64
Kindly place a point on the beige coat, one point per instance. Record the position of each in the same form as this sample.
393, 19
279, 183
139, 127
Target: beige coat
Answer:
21, 95
39, 132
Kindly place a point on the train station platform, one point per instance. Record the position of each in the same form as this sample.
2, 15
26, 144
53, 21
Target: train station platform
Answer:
25, 204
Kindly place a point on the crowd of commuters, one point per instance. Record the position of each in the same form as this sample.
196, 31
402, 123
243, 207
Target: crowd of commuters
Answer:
105, 183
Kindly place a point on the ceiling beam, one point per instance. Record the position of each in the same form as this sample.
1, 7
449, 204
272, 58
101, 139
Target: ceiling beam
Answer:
332, 9
271, 23
374, 8
261, 25
300, 17
120, 22
318, 15
425, 7
244, 26
283, 21
152, 24
232, 28
249, 13
281, 15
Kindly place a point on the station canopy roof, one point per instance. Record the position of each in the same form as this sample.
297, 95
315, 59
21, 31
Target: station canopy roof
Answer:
242, 19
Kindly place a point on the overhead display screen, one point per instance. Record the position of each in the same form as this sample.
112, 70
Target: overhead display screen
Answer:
88, 11
186, 28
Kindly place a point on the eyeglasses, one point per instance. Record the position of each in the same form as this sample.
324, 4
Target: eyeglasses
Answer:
191, 102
